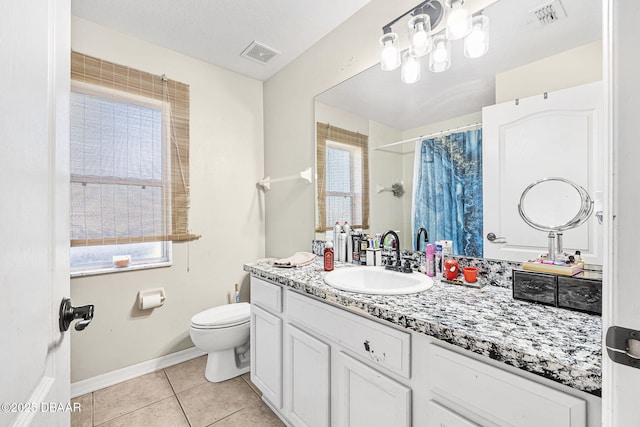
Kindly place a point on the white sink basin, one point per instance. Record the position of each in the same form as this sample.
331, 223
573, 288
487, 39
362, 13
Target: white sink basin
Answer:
377, 280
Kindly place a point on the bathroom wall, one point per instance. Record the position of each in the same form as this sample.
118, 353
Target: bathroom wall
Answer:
385, 169
227, 158
289, 118
578, 66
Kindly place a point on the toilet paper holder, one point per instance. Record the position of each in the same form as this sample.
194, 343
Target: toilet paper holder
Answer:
151, 298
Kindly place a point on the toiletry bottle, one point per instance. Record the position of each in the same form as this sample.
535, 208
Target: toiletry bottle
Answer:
336, 230
438, 260
341, 247
348, 254
237, 295
355, 245
430, 260
328, 256
364, 244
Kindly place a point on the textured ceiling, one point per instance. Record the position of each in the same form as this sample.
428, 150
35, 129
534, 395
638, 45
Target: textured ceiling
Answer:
217, 31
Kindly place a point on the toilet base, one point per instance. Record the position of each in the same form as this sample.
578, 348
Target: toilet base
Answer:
226, 364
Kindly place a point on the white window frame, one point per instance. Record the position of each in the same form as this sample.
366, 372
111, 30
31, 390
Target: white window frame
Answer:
166, 247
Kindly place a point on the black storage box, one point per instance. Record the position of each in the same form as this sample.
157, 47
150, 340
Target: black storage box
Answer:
582, 292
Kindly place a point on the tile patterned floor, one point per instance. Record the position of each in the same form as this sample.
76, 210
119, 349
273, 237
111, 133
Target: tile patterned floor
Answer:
174, 397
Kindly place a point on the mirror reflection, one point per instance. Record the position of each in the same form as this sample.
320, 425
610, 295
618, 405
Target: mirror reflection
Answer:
440, 117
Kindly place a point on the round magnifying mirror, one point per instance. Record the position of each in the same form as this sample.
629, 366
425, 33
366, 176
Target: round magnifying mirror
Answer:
554, 204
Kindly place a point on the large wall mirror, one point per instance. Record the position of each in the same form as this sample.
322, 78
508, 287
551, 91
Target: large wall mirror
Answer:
525, 58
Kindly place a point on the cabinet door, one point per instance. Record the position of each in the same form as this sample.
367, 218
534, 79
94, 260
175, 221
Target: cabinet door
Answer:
366, 398
266, 354
306, 379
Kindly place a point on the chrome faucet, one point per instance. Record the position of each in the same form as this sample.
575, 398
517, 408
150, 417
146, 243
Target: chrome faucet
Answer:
398, 266
426, 237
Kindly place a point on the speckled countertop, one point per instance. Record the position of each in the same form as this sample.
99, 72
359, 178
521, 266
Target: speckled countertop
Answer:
558, 344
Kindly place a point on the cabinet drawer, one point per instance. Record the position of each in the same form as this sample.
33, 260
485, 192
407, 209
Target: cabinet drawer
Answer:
266, 295
381, 345
500, 396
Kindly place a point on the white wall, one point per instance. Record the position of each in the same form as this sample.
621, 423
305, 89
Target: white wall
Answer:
567, 69
385, 169
289, 118
226, 137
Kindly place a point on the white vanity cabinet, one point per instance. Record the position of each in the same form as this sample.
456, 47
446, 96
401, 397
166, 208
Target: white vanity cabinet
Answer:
320, 365
329, 362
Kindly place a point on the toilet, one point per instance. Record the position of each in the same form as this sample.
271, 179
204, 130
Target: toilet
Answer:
223, 332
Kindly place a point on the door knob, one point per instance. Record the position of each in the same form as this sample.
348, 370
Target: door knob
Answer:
68, 314
494, 239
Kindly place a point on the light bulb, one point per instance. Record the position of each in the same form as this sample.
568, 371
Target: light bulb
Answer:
420, 37
440, 58
476, 43
440, 53
458, 23
419, 29
389, 55
410, 68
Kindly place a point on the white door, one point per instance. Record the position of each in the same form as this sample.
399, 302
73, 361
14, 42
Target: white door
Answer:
548, 135
306, 379
34, 268
621, 383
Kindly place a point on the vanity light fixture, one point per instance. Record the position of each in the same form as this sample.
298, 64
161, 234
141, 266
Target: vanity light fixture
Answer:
460, 23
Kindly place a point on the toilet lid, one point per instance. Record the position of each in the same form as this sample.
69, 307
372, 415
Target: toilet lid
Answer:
224, 315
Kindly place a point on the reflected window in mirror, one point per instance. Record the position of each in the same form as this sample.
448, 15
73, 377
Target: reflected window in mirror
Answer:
343, 177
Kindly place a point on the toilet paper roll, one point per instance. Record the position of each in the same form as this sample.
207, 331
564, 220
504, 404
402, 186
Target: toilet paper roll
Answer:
151, 301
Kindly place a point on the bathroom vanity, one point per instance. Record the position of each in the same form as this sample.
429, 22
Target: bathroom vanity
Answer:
449, 356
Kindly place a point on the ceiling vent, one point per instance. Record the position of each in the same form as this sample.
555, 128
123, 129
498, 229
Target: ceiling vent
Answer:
549, 12
259, 53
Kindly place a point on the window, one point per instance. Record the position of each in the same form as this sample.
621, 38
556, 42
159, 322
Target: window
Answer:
129, 166
343, 178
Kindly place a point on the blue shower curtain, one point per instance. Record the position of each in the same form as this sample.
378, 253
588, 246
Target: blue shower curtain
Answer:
447, 191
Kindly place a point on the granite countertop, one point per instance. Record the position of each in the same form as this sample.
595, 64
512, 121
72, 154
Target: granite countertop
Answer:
558, 344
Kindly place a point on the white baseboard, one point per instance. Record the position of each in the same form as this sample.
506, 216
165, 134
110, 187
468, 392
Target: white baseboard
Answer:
110, 378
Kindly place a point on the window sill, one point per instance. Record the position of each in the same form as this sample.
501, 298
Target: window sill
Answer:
109, 270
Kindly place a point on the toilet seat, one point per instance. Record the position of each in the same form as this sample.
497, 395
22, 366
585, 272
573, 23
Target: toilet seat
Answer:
224, 316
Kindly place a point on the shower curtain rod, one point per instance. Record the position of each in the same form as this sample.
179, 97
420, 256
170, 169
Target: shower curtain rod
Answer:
441, 133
